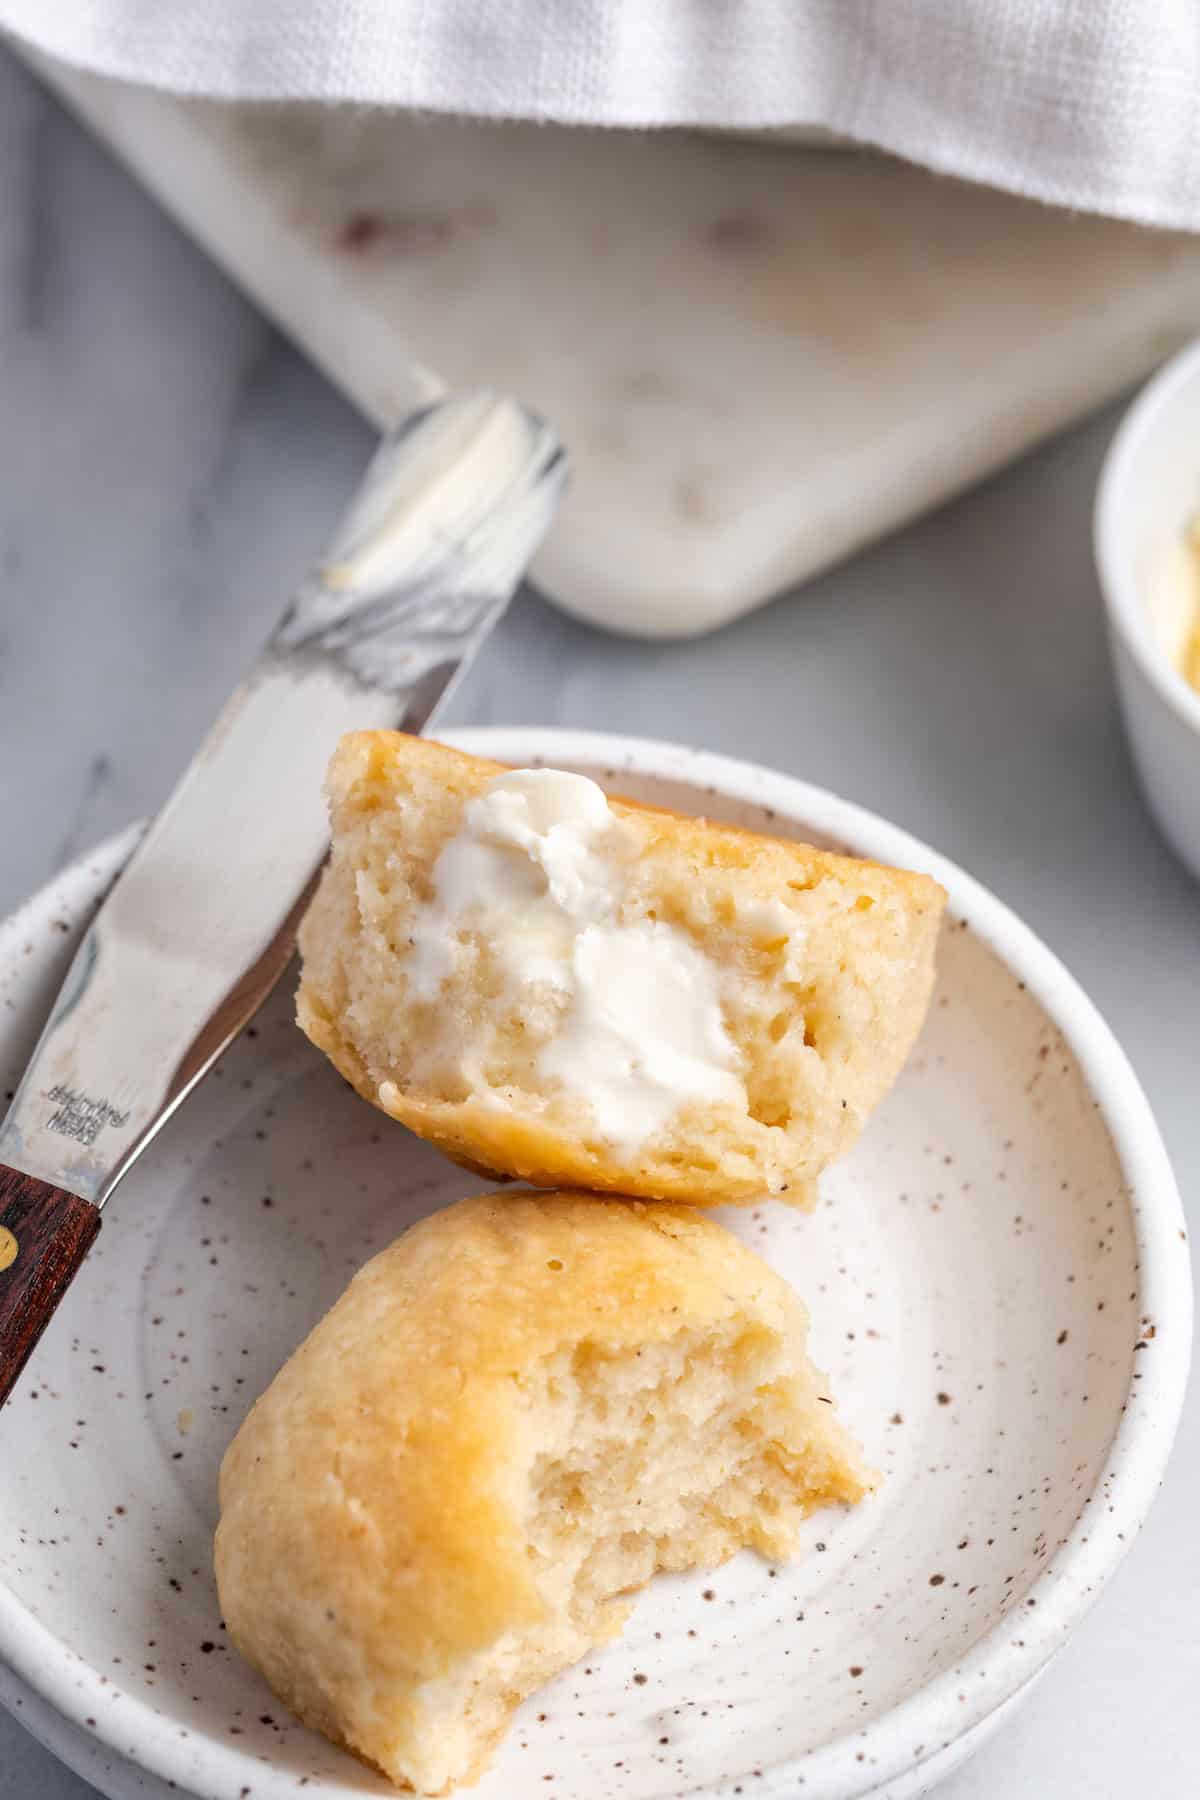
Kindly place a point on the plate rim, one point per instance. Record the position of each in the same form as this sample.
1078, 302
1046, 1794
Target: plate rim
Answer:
995, 1668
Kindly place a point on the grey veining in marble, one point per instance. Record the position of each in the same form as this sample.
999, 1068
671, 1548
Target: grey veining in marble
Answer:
167, 467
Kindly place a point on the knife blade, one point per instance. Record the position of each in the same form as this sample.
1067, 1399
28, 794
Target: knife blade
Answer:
200, 925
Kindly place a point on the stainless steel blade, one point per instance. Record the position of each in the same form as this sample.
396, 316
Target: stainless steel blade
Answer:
200, 925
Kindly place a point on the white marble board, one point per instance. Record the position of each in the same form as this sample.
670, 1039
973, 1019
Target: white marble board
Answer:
762, 355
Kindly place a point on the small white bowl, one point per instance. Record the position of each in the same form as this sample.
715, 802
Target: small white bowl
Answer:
1149, 493
1000, 1291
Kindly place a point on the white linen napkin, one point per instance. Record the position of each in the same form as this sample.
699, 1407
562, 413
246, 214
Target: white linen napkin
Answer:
1087, 103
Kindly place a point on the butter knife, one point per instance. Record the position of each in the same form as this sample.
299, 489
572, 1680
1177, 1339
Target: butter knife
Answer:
200, 925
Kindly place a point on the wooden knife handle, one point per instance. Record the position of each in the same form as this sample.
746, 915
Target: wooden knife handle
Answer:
45, 1233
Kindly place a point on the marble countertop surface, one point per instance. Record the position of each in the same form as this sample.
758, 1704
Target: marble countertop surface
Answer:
167, 467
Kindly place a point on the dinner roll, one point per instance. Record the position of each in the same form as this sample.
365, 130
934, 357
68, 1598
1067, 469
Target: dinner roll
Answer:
511, 1419
582, 992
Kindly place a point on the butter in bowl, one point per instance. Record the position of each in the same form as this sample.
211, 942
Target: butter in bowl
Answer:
1173, 600
1147, 543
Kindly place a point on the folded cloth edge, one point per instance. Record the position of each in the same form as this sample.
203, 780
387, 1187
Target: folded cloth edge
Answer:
1086, 104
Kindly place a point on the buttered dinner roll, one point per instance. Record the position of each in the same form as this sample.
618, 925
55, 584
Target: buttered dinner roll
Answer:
584, 992
511, 1419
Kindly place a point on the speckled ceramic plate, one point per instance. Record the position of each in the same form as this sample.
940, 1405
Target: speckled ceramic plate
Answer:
999, 1288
